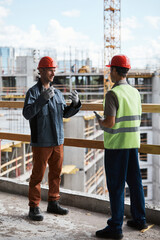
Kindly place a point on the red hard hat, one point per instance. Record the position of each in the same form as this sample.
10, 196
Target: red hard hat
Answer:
120, 61
47, 62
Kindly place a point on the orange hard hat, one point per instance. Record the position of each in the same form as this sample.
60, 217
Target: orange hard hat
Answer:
120, 61
47, 62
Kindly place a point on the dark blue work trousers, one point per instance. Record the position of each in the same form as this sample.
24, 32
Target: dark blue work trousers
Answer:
122, 166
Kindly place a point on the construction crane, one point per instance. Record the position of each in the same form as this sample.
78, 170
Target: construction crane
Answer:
112, 35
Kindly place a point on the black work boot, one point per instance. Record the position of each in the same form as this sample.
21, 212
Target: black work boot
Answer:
54, 207
137, 224
35, 214
108, 233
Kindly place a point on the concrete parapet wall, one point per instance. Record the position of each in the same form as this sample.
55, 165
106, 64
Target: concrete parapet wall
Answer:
76, 199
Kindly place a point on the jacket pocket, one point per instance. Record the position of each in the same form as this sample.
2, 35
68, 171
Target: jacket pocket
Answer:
59, 103
44, 111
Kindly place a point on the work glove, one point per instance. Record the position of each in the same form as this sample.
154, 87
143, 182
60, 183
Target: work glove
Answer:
48, 93
74, 97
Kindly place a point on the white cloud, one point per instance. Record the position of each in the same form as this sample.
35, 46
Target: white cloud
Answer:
15, 37
56, 37
3, 12
144, 50
126, 34
155, 43
154, 21
62, 39
7, 2
144, 54
71, 13
127, 27
131, 23
61, 36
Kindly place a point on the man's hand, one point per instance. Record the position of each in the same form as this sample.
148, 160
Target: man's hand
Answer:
49, 93
74, 97
97, 116
108, 122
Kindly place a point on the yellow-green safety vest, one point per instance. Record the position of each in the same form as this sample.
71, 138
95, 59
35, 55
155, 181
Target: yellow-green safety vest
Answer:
126, 132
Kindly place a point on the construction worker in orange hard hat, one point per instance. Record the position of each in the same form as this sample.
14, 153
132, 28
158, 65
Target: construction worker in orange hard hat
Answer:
121, 123
45, 109
47, 62
120, 61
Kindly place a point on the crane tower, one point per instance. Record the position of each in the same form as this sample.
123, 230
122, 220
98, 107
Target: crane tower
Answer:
112, 36
112, 22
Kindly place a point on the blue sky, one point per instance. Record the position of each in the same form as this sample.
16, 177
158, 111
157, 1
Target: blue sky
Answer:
79, 24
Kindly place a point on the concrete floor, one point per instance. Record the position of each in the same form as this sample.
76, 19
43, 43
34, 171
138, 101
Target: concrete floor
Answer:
78, 224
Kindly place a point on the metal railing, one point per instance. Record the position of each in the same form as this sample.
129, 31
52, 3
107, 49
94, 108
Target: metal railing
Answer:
82, 143
145, 148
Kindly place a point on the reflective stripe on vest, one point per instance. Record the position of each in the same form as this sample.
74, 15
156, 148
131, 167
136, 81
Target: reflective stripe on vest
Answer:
128, 118
121, 130
125, 133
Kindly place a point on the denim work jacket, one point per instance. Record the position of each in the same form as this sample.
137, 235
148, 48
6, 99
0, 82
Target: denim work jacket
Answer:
46, 117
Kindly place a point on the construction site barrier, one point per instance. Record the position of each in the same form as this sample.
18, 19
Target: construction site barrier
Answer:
83, 143
146, 108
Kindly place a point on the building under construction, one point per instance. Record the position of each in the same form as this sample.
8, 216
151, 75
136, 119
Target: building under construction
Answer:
83, 168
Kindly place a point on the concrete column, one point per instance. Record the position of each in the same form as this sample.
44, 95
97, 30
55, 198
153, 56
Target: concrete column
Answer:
156, 138
23, 169
70, 83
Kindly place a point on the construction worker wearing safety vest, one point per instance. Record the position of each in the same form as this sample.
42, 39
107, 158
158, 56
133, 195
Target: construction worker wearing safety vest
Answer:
121, 123
45, 109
